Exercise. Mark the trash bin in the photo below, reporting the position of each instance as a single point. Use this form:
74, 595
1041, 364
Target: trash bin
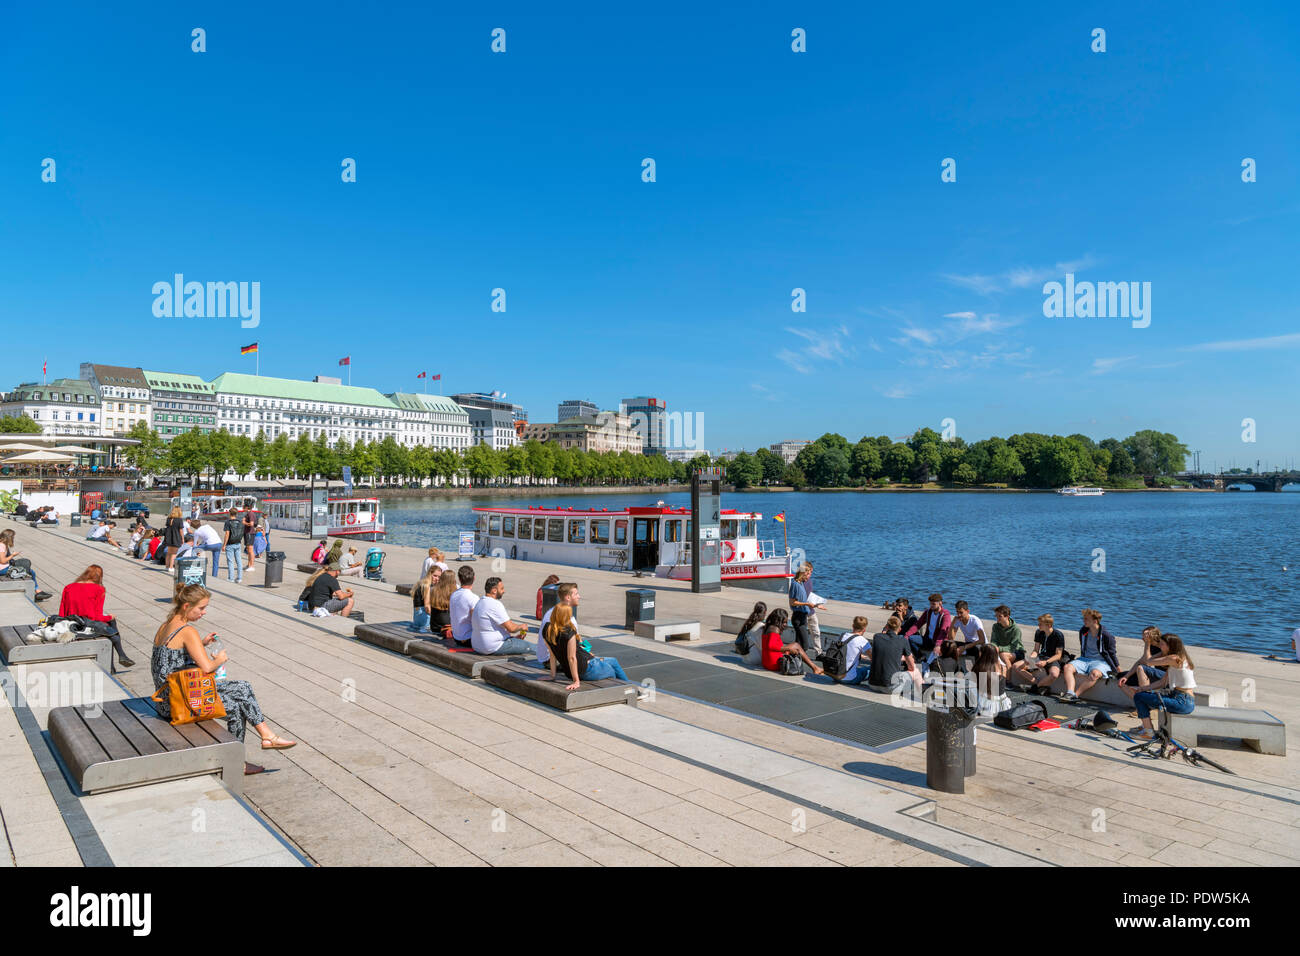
274, 561
192, 570
640, 606
550, 594
950, 734
74, 521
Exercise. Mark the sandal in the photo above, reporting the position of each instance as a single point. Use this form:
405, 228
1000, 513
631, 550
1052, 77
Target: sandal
277, 743
252, 768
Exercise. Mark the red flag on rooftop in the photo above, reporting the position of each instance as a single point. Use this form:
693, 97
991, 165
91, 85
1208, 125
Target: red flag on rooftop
421, 375
346, 361
438, 377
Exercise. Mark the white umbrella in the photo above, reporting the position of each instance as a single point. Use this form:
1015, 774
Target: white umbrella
40, 456
78, 450
19, 446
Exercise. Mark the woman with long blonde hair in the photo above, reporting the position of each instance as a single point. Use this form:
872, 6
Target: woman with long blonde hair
422, 599
561, 637
175, 535
1174, 692
177, 645
440, 604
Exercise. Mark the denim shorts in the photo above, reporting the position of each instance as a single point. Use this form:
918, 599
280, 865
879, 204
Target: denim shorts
1084, 666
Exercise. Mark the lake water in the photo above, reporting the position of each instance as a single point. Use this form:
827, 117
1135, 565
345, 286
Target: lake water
1207, 566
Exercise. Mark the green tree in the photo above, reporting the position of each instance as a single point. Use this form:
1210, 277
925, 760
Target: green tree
241, 454
219, 449
954, 456
1121, 465
772, 465
964, 474
794, 476
149, 456
280, 457
1005, 465
898, 462
187, 454
514, 462
744, 471
1060, 463
262, 455
481, 463
18, 425
1156, 453
866, 460
833, 467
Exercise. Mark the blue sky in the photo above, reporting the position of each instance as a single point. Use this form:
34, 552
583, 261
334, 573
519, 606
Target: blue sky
775, 171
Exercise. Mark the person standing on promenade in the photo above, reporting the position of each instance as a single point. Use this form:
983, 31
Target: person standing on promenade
250, 529
815, 603
1097, 659
233, 540
175, 536
799, 609
1049, 655
565, 594
177, 645
931, 628
1172, 692
461, 606
775, 650
491, 630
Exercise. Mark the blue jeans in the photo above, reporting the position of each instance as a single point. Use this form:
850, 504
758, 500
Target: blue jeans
216, 556
235, 561
1176, 703
513, 645
419, 620
599, 668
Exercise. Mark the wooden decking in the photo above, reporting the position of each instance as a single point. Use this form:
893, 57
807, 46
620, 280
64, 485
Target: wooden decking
403, 764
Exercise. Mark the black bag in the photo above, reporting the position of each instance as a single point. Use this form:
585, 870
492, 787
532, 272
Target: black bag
742, 644
834, 659
1021, 715
791, 665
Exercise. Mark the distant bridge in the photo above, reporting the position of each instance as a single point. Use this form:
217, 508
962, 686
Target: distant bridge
1268, 481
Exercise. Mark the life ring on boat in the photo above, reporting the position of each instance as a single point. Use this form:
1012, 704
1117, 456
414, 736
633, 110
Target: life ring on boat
728, 552
352, 519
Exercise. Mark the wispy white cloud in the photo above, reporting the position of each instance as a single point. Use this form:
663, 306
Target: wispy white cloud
897, 391
960, 315
1018, 277
1246, 345
822, 346
1103, 365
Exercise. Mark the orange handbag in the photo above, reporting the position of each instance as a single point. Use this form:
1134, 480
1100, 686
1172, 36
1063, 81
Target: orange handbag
193, 696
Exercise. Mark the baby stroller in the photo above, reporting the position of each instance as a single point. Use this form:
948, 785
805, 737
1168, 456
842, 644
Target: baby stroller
374, 569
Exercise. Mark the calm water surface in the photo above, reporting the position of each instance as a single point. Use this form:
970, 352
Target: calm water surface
1206, 566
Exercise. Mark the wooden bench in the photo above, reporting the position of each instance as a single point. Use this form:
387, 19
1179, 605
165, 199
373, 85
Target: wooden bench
308, 567
16, 650
124, 743
667, 630
1257, 729
534, 682
396, 636
404, 589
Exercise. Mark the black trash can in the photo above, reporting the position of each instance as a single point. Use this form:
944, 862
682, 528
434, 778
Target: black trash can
950, 734
550, 594
74, 521
192, 570
640, 606
274, 561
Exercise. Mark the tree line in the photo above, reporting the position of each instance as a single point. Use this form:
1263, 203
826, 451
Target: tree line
194, 454
1030, 460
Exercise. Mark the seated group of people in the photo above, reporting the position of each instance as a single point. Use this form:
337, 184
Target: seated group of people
349, 561
913, 648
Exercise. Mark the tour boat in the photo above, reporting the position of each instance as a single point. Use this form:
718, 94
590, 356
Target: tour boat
1074, 491
212, 505
348, 517
632, 539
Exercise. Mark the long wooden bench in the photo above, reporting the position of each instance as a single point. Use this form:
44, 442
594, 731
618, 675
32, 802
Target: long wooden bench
404, 589
667, 630
1257, 729
124, 743
534, 683
308, 567
396, 636
16, 650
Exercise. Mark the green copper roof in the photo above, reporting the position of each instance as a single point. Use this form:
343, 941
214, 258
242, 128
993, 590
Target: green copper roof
264, 385
177, 382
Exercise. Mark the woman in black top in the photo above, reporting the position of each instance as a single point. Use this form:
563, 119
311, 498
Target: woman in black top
990, 675
440, 604
175, 535
568, 654
422, 600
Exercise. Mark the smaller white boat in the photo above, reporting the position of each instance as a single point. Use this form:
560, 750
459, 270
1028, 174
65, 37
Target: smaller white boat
348, 517
1076, 491
212, 505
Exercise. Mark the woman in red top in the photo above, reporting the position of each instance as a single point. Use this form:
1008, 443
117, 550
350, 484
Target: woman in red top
775, 648
84, 597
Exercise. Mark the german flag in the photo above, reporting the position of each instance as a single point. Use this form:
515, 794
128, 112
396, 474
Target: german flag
248, 349
780, 517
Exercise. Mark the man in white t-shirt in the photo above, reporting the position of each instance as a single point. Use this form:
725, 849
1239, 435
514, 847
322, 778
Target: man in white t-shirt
461, 605
349, 563
967, 630
207, 539
564, 594
492, 631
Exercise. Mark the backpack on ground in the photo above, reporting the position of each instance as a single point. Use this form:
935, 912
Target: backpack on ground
742, 643
790, 665
835, 659
1021, 715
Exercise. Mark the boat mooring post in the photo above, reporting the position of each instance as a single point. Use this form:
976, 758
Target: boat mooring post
706, 529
